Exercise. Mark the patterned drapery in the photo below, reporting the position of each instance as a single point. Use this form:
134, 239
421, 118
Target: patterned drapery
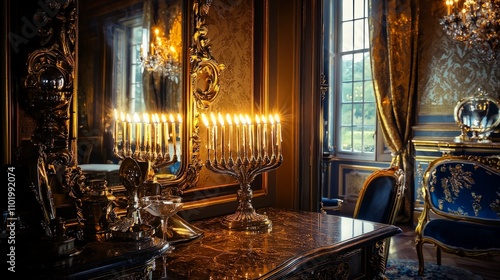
394, 37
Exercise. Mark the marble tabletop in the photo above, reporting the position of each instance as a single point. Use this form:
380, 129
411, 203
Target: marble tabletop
295, 236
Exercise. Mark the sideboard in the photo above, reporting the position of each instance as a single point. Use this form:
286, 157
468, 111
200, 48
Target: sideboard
300, 245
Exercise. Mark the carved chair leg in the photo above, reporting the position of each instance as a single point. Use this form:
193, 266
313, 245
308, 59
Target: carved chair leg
438, 255
420, 254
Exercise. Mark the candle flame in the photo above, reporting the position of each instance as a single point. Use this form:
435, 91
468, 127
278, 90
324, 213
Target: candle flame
257, 119
248, 119
116, 114
264, 120
236, 120
145, 117
137, 118
163, 118
221, 119
122, 115
271, 119
205, 120
128, 118
228, 119
277, 118
172, 118
242, 119
179, 118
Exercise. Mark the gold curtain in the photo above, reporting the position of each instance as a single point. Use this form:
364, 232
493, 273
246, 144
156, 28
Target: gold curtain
393, 35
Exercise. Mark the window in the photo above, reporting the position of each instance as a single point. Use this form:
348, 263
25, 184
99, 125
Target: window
350, 109
127, 71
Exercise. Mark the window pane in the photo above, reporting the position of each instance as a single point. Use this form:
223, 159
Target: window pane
359, 8
347, 31
347, 8
346, 92
346, 139
347, 68
369, 114
359, 34
369, 95
358, 67
369, 140
357, 144
367, 67
358, 91
358, 115
367, 35
346, 118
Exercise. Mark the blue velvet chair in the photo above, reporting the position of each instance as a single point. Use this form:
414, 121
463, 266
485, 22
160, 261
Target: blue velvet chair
381, 196
380, 199
463, 193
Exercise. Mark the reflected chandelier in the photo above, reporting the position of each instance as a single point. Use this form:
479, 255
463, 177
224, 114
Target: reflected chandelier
162, 56
476, 23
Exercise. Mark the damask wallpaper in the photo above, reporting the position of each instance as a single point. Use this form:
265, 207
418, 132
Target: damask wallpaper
448, 70
230, 30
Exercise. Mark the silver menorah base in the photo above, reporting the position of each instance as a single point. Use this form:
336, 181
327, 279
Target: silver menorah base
245, 218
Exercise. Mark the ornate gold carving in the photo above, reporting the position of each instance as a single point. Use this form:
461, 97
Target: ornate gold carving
205, 69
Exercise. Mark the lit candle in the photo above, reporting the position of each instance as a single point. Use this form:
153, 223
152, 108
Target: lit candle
174, 136
243, 135
237, 136
250, 140
147, 132
258, 143
205, 121
157, 137
179, 118
279, 138
214, 123
264, 135
138, 133
129, 131
228, 119
222, 134
165, 134
271, 120
116, 130
124, 135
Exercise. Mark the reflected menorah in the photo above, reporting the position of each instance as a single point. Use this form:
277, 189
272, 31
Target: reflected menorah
152, 140
143, 146
249, 156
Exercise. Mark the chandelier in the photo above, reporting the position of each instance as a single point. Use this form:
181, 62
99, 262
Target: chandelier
162, 55
476, 23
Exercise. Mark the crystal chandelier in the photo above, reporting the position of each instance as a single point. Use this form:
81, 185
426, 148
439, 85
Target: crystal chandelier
162, 56
476, 23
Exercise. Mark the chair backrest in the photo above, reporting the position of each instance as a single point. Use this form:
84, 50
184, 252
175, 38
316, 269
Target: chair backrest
464, 188
381, 195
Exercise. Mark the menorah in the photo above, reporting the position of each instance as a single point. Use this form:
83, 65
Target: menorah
147, 139
143, 146
253, 149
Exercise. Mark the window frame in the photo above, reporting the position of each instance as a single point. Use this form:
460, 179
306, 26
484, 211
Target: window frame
332, 102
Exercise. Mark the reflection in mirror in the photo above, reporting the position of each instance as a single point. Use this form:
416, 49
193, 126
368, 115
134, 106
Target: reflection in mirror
131, 83
477, 116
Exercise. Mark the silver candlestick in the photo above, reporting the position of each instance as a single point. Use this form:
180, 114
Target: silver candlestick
253, 156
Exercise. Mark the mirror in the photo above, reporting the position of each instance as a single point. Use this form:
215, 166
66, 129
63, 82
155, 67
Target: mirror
477, 117
132, 63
